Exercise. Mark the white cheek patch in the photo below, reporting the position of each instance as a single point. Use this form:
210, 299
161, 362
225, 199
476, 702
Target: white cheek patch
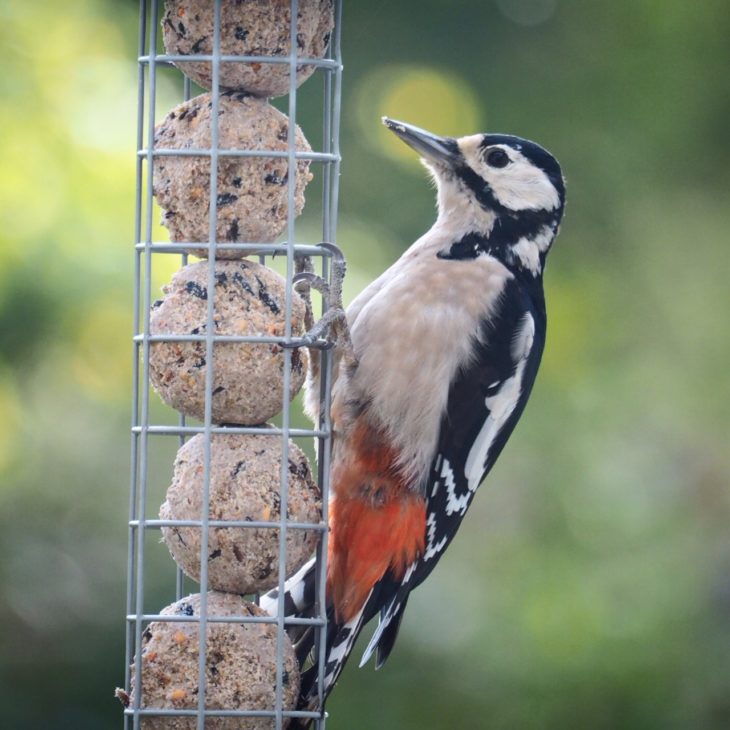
518, 186
522, 186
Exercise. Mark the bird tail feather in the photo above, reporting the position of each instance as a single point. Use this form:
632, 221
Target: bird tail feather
299, 601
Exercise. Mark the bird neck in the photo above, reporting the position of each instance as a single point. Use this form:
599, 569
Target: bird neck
519, 240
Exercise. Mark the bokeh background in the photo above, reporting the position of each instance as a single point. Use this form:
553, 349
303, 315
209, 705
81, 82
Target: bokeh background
590, 583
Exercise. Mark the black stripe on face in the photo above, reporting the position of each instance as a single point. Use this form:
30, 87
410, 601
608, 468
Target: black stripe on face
482, 192
510, 225
532, 219
506, 232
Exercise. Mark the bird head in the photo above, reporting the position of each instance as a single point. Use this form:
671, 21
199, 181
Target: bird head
507, 191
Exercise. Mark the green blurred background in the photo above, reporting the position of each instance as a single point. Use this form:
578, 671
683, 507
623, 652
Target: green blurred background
590, 583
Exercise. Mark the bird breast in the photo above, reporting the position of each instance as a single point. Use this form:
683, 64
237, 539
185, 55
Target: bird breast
411, 337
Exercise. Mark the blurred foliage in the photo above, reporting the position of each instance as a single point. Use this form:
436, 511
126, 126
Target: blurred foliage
590, 584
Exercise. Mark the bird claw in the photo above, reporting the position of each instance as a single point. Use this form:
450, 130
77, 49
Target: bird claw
309, 339
332, 327
309, 280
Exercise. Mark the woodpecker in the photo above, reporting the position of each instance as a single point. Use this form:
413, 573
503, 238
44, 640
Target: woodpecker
434, 363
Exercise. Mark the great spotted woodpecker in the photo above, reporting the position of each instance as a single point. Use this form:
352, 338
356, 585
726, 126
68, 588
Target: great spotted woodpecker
435, 362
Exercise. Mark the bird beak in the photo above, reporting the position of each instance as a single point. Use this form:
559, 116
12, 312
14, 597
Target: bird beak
435, 149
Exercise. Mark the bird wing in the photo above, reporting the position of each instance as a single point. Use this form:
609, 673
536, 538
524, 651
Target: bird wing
485, 402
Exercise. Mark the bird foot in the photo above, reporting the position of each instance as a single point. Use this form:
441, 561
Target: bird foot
332, 326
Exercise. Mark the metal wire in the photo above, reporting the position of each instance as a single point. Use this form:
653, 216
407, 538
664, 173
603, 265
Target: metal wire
144, 432
179, 574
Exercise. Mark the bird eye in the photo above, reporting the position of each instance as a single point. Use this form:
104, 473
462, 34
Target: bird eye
497, 158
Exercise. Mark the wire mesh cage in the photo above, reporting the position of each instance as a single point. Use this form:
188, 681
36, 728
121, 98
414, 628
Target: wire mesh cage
147, 434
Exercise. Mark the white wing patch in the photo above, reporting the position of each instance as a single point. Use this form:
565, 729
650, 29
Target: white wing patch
500, 405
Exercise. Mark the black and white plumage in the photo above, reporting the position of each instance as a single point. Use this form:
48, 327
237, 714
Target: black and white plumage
446, 346
484, 404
